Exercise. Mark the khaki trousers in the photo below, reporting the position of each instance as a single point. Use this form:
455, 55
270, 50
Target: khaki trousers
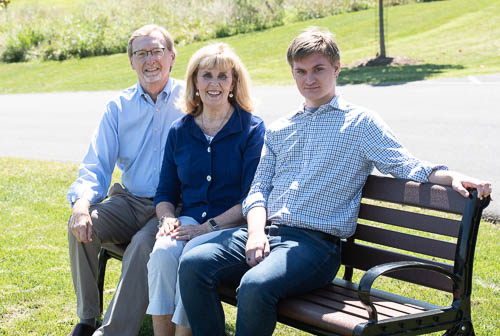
121, 218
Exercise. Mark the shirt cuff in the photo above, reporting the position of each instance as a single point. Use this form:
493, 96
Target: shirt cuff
252, 201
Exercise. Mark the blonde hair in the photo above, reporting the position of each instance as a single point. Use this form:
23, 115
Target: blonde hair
146, 31
221, 56
313, 40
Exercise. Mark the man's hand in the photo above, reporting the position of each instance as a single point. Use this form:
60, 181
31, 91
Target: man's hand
188, 232
80, 222
460, 182
169, 224
257, 248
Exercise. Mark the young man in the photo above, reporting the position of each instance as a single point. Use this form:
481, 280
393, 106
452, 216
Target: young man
304, 198
132, 135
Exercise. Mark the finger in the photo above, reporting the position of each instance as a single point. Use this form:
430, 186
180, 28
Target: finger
267, 249
251, 260
484, 189
176, 223
259, 254
457, 186
89, 232
81, 234
182, 237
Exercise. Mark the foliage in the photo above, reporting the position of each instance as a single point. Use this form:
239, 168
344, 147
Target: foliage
4, 4
58, 30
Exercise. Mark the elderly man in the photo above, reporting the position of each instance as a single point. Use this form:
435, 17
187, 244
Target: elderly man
132, 135
304, 198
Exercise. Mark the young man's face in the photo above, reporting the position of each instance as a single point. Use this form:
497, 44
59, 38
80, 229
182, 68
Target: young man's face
315, 78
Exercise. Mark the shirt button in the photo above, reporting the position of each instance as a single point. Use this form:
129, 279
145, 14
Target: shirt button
209, 178
154, 169
209, 150
157, 109
156, 149
204, 215
156, 129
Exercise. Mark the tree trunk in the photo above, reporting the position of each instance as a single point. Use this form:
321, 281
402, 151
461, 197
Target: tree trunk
381, 27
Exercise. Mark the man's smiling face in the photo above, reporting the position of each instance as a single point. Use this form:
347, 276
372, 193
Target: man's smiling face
153, 71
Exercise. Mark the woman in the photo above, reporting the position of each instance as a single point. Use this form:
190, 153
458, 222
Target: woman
210, 159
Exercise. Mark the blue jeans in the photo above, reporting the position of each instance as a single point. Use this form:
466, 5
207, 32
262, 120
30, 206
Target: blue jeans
300, 261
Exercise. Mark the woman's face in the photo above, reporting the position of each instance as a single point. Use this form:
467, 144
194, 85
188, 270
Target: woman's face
214, 85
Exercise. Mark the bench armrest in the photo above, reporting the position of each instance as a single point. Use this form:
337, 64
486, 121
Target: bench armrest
373, 273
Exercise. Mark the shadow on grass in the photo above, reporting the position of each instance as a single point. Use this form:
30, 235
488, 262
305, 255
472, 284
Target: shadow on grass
147, 327
392, 75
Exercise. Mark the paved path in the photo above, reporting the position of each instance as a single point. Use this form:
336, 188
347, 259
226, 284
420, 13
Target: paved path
454, 121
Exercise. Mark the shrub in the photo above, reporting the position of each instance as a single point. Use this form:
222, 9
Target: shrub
101, 27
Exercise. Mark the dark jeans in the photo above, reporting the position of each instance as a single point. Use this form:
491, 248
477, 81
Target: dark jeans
300, 261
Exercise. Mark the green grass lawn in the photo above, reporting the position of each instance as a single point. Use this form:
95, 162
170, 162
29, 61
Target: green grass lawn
36, 292
449, 38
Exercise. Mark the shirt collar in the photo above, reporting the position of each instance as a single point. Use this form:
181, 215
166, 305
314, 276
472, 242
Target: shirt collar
164, 93
336, 103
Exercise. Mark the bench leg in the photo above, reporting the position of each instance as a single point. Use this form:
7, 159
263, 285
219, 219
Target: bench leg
101, 272
463, 329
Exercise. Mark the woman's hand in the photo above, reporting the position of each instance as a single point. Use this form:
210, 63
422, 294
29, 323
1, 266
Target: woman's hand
169, 224
188, 232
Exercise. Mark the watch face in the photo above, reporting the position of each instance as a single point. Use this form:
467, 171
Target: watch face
213, 223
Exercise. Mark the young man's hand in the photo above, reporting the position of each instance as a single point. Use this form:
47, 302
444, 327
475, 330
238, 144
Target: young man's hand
257, 248
80, 222
460, 182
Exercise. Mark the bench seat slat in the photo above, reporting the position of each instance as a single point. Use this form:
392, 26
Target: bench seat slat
429, 196
412, 220
331, 291
406, 242
384, 308
365, 257
339, 322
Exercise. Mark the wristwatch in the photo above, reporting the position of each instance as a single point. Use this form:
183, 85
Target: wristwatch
213, 224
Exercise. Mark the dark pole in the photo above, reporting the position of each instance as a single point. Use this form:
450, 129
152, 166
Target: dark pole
381, 27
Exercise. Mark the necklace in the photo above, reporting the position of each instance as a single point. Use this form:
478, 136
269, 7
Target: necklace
214, 131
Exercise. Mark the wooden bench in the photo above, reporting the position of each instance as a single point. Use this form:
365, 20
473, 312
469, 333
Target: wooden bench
394, 240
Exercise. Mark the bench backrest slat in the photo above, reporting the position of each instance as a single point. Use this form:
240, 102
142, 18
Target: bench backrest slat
429, 196
406, 242
412, 220
364, 257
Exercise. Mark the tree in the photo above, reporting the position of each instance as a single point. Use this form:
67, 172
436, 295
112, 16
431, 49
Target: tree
381, 28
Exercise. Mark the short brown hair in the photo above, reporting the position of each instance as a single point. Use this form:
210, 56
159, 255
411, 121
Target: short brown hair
219, 55
313, 40
146, 31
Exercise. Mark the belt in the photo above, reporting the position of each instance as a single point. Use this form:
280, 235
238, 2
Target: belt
320, 234
326, 236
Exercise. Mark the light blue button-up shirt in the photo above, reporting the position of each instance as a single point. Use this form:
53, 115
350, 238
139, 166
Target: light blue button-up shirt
131, 135
315, 163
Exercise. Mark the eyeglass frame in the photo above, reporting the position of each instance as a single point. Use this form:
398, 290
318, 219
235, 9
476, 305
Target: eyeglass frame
134, 53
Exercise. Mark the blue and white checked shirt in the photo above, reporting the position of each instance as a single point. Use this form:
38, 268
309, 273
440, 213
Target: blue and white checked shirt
131, 134
314, 165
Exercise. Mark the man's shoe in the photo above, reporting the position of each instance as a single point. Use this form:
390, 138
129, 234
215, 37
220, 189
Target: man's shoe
82, 330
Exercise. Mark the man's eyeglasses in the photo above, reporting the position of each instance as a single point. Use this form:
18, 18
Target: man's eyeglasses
156, 52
